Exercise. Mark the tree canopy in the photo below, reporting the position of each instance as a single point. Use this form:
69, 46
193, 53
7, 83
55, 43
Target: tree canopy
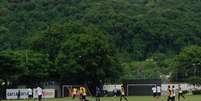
102, 38
188, 64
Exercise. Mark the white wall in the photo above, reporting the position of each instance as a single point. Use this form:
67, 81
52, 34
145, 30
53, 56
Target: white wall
110, 88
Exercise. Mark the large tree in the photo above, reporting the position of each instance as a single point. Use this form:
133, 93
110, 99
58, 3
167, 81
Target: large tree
87, 57
188, 64
24, 66
37, 66
11, 67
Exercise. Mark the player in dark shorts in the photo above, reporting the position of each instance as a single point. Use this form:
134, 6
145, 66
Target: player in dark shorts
158, 92
170, 93
174, 93
98, 93
180, 94
39, 93
115, 91
30, 94
83, 94
123, 94
18, 94
154, 91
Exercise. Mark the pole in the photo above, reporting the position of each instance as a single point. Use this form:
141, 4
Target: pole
194, 66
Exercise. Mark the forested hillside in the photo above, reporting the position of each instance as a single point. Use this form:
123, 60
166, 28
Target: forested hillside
99, 39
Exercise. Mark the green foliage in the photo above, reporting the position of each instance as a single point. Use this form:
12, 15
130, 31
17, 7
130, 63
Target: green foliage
37, 66
86, 57
24, 65
194, 80
58, 30
138, 28
142, 70
10, 63
49, 42
188, 64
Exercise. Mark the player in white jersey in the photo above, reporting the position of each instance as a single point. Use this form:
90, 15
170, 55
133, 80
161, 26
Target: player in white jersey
40, 93
158, 92
154, 91
174, 92
115, 91
30, 93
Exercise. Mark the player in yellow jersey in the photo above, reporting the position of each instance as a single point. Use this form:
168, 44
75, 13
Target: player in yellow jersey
180, 94
83, 94
170, 93
74, 92
123, 94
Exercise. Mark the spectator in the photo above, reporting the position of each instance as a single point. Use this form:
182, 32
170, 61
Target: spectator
18, 94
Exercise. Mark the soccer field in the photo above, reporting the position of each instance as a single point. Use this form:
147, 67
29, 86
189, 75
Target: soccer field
133, 98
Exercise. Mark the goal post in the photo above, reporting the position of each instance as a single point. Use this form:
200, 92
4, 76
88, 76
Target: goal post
139, 89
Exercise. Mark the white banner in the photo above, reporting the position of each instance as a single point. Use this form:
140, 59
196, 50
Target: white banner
13, 93
184, 86
110, 88
47, 93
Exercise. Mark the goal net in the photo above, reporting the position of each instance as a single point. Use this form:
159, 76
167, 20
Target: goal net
139, 89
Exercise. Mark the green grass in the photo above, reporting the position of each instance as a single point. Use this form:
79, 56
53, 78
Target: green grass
133, 98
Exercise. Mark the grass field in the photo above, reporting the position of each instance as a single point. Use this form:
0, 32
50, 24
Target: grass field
133, 98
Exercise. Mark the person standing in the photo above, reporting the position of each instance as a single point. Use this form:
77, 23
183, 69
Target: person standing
98, 93
83, 94
30, 93
154, 91
39, 93
74, 92
18, 94
180, 94
158, 92
123, 94
170, 94
115, 91
174, 93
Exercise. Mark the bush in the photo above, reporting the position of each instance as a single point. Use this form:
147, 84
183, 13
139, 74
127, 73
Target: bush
196, 92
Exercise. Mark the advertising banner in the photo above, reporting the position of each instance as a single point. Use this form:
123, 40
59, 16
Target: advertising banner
47, 93
13, 93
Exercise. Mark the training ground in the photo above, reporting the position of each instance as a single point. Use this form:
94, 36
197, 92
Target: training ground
130, 98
